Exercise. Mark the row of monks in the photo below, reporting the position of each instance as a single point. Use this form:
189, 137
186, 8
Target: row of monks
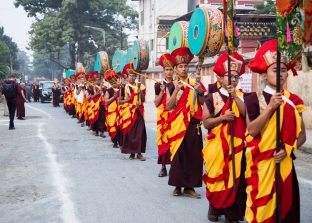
246, 190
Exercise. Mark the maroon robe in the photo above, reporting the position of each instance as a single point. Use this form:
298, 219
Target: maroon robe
20, 106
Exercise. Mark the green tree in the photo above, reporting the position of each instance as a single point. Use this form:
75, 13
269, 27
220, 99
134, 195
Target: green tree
4, 60
25, 66
267, 7
62, 23
13, 49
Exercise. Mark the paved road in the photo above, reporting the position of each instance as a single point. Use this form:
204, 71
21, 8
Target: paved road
53, 170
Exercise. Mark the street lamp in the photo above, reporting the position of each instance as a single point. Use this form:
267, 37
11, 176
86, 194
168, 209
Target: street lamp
98, 29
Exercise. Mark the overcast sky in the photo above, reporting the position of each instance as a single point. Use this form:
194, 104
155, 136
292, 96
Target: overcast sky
15, 22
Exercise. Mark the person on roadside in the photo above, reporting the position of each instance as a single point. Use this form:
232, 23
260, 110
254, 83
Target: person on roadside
10, 90
56, 94
20, 102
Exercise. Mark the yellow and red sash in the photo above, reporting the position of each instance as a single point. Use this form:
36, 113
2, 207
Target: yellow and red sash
162, 117
93, 109
217, 155
260, 164
111, 120
128, 110
179, 118
87, 105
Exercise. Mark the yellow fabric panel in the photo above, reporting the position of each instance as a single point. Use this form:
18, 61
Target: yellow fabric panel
249, 161
161, 114
111, 119
266, 174
177, 126
238, 158
266, 211
126, 112
300, 108
135, 90
214, 159
193, 107
213, 155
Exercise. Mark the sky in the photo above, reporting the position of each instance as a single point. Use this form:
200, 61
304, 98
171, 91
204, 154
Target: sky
16, 23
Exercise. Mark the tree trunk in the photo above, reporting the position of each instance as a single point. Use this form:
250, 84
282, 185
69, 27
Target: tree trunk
72, 56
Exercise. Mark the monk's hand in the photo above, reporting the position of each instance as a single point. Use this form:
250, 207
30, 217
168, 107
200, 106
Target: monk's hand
228, 116
198, 89
278, 157
178, 85
231, 91
275, 101
162, 88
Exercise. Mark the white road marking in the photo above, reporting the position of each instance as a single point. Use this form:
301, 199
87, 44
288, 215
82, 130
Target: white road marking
59, 180
303, 180
39, 110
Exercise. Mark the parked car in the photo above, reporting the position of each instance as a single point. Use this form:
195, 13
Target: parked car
45, 90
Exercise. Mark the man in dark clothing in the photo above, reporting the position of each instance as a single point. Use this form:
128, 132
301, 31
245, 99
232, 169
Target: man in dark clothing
10, 91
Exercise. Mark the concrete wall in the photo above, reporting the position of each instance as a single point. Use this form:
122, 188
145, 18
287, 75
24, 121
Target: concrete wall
302, 86
152, 9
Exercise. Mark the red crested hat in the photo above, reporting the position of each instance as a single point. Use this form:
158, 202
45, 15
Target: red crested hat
166, 60
182, 55
94, 74
266, 56
80, 75
88, 77
66, 80
237, 64
111, 76
127, 70
72, 77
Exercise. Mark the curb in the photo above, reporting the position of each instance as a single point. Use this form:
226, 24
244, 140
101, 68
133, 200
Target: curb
306, 148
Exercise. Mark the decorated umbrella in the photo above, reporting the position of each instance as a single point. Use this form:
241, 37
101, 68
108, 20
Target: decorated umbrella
289, 35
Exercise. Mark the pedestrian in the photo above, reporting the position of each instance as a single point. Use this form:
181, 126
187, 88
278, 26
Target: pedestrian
111, 111
167, 62
223, 198
36, 92
28, 90
56, 94
185, 136
134, 134
20, 102
10, 90
261, 155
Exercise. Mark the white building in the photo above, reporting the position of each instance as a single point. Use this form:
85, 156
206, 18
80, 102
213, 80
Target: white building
151, 13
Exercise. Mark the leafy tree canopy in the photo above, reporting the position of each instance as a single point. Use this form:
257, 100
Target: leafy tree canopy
61, 23
267, 7
4, 60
